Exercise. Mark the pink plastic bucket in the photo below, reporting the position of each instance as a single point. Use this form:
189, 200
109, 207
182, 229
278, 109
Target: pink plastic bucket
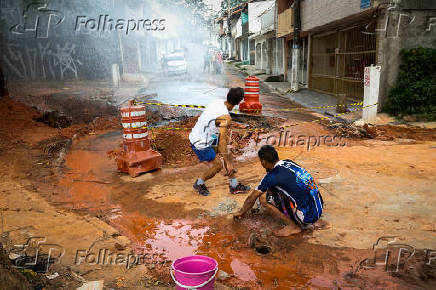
194, 272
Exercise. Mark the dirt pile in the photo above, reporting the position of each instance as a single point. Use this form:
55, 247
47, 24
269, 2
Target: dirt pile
176, 149
174, 145
384, 133
75, 107
349, 131
97, 125
18, 119
419, 134
23, 123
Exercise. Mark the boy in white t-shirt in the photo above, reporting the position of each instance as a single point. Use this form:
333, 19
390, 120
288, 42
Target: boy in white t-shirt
212, 124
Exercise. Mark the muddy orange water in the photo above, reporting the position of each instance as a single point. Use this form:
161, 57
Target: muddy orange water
93, 185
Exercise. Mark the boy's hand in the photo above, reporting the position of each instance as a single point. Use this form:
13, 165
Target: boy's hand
230, 172
238, 215
228, 165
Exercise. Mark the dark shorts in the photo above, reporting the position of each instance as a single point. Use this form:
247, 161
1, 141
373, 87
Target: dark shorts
286, 205
208, 154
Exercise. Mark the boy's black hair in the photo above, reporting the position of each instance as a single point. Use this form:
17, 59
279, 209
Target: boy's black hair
235, 96
268, 153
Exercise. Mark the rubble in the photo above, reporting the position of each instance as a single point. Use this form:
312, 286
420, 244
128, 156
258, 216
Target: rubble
222, 276
55, 120
349, 131
94, 285
227, 206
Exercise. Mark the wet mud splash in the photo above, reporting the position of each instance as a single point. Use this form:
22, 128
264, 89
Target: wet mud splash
166, 231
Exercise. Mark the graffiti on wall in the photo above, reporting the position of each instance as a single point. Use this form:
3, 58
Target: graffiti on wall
34, 18
395, 20
46, 61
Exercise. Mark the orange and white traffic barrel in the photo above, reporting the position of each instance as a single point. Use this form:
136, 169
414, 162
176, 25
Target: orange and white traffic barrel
135, 133
251, 102
137, 156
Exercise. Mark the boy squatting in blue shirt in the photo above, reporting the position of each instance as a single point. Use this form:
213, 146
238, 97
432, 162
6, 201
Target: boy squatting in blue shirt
291, 193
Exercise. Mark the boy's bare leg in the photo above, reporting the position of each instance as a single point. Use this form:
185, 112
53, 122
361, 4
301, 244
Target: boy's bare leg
290, 229
213, 170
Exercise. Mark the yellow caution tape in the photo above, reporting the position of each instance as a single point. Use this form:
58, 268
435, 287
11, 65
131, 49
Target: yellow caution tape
263, 129
171, 105
254, 110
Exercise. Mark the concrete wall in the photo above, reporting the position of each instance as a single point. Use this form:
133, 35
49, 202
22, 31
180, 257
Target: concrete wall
42, 44
261, 44
278, 65
254, 11
405, 29
315, 13
45, 40
268, 20
238, 28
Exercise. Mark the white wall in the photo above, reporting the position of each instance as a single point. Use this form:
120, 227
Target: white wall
262, 59
278, 67
254, 11
238, 28
316, 13
268, 20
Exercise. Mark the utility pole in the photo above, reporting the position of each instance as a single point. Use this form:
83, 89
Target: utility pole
296, 46
229, 34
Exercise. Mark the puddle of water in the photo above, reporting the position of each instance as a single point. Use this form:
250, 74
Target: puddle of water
89, 179
173, 240
242, 271
176, 240
192, 93
94, 184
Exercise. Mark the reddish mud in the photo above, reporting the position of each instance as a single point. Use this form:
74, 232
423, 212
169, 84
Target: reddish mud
92, 185
18, 123
78, 108
166, 232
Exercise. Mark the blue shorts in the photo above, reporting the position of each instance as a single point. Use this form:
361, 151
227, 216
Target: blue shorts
207, 154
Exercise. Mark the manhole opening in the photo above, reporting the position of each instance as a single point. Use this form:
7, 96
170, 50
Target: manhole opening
263, 250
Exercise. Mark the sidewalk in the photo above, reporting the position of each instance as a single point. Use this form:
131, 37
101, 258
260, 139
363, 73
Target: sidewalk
305, 97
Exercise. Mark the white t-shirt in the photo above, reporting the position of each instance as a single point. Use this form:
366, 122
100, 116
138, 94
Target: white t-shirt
205, 131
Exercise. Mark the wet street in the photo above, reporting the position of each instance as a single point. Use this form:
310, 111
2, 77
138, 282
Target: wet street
163, 217
159, 215
101, 188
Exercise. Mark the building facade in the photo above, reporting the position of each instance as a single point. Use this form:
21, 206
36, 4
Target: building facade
337, 40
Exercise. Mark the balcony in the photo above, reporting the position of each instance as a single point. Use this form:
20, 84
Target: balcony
285, 22
267, 21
